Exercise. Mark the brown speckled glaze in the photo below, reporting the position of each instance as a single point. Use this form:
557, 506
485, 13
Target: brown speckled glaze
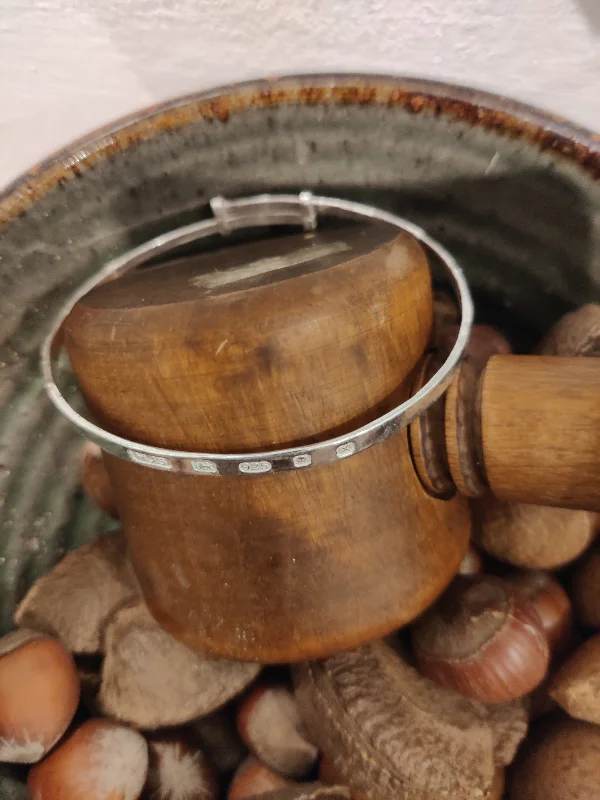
510, 190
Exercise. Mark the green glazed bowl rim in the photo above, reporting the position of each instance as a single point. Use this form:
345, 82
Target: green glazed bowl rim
494, 112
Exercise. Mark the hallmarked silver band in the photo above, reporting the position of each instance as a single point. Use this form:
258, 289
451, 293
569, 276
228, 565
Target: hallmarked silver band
257, 211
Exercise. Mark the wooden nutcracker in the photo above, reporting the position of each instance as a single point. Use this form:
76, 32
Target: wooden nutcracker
255, 403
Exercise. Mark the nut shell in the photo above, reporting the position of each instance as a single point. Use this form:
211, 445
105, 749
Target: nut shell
482, 639
576, 685
576, 333
530, 536
178, 770
552, 604
253, 778
389, 733
150, 680
101, 760
39, 693
271, 726
76, 600
561, 763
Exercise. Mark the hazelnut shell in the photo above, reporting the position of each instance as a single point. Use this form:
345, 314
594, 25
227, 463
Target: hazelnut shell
482, 639
575, 334
178, 769
560, 762
530, 536
39, 694
253, 778
576, 685
552, 604
101, 760
271, 726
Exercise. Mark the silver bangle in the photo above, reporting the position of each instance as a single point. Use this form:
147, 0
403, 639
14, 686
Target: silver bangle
262, 210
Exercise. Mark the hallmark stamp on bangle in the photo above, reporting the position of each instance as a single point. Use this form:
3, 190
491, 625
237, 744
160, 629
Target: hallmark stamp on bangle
204, 467
255, 467
345, 450
303, 460
157, 462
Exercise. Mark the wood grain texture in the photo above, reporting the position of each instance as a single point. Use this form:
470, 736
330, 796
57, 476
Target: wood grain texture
463, 432
540, 423
208, 354
427, 440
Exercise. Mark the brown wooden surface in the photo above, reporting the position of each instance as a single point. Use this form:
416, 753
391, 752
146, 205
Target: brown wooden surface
426, 436
540, 423
213, 354
463, 434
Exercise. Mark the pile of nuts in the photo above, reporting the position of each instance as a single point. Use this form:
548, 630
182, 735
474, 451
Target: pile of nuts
494, 692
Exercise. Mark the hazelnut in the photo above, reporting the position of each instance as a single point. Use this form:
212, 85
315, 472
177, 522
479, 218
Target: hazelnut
178, 770
150, 680
253, 778
390, 733
585, 589
575, 334
95, 480
39, 693
530, 536
76, 600
551, 603
101, 760
482, 639
576, 685
270, 724
560, 763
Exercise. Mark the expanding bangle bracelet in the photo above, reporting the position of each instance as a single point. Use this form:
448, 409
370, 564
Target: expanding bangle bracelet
259, 211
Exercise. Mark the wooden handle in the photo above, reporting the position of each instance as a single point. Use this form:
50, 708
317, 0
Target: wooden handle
527, 429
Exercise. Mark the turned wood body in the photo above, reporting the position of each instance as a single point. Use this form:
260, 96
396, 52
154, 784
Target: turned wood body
255, 346
526, 429
540, 430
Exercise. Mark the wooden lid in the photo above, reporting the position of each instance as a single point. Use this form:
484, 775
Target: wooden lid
257, 344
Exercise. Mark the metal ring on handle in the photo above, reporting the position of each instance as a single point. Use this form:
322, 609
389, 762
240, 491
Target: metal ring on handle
265, 210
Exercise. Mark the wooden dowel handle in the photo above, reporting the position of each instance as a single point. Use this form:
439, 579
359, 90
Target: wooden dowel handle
532, 432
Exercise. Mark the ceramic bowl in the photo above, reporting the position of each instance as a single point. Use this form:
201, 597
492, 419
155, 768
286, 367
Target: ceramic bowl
513, 192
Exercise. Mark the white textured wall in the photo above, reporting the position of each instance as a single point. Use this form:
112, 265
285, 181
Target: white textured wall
67, 66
